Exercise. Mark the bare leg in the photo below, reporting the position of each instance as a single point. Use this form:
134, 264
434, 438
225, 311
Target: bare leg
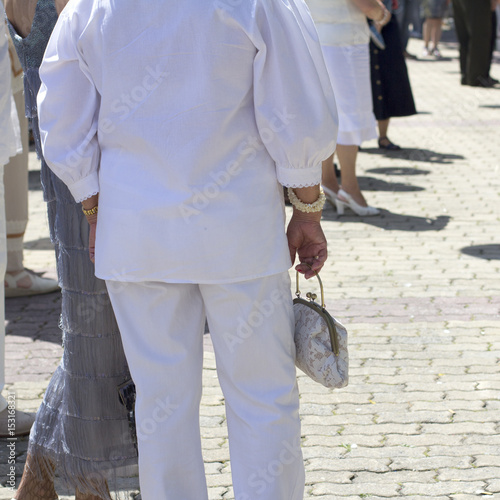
329, 179
86, 496
383, 127
435, 29
426, 33
37, 485
347, 158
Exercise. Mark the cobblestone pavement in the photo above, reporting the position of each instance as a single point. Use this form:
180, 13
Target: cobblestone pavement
419, 289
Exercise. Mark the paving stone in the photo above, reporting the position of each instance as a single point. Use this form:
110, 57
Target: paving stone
349, 464
441, 488
493, 485
436, 463
362, 490
475, 474
396, 478
424, 439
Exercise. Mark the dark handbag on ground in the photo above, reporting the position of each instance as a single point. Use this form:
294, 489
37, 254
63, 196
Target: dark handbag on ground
126, 392
320, 341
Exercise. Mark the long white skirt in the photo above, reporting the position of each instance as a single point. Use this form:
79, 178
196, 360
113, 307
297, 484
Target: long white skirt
349, 70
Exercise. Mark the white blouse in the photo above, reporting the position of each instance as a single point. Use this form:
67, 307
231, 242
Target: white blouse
10, 135
339, 22
184, 116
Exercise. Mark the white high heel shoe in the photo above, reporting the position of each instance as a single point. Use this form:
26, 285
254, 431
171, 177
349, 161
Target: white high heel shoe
330, 195
344, 199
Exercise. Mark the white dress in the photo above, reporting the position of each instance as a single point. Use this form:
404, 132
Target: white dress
344, 36
10, 134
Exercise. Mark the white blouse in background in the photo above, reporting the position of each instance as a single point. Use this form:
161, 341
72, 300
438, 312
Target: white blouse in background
339, 22
184, 115
10, 134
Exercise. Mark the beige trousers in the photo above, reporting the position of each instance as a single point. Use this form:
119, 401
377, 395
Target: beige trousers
16, 194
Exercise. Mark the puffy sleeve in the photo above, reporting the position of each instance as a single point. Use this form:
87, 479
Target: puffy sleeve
294, 103
68, 108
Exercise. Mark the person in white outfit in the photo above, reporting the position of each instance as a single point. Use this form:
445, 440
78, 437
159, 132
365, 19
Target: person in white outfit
19, 281
179, 166
344, 36
12, 422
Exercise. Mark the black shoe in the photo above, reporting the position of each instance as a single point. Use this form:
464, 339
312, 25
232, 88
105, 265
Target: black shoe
386, 143
486, 83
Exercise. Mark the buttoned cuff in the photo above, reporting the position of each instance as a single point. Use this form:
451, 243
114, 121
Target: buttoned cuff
299, 177
85, 188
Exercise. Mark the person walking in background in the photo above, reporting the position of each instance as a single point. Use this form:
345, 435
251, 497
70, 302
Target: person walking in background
10, 145
473, 26
407, 12
391, 89
189, 216
433, 11
81, 430
19, 281
495, 7
344, 37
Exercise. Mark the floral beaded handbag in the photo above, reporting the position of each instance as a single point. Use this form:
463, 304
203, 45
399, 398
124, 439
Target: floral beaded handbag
320, 341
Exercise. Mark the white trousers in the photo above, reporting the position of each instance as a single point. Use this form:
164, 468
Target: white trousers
251, 325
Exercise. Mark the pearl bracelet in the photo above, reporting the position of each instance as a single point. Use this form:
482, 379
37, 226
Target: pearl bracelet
385, 17
308, 208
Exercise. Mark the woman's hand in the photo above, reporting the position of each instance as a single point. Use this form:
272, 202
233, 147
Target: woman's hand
89, 204
93, 226
374, 10
307, 240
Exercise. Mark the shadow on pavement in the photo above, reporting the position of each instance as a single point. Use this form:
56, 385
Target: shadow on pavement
392, 221
34, 183
430, 59
40, 244
35, 317
487, 252
424, 155
398, 171
372, 184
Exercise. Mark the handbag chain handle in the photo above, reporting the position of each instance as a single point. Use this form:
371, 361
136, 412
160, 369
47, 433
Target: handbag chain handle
309, 295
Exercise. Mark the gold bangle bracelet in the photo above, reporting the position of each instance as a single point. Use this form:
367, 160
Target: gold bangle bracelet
90, 211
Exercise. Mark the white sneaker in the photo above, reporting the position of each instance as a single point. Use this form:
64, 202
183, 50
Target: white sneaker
436, 53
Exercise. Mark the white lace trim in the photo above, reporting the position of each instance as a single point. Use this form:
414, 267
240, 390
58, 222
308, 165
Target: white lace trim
299, 184
299, 177
87, 196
